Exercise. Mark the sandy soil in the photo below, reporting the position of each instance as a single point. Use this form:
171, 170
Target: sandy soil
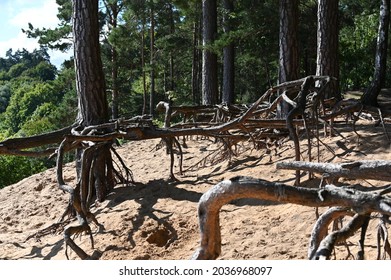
157, 219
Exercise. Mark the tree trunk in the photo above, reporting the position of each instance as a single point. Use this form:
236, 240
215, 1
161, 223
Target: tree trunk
91, 88
171, 84
114, 77
113, 9
327, 49
144, 110
371, 94
195, 71
90, 79
289, 57
209, 58
152, 63
228, 57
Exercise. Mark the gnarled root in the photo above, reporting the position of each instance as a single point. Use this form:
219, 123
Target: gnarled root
382, 235
327, 245
239, 187
95, 180
321, 226
75, 230
78, 230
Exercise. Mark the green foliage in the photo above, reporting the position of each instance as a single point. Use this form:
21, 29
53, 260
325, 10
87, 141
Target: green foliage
34, 98
357, 47
59, 37
25, 101
15, 168
5, 95
43, 71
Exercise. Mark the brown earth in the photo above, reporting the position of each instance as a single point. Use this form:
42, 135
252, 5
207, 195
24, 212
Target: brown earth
157, 219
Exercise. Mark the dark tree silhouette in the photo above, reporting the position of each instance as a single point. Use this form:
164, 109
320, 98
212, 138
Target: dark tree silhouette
209, 58
379, 76
288, 58
228, 57
327, 59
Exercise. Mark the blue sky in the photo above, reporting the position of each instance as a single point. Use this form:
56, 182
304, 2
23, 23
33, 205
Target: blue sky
16, 14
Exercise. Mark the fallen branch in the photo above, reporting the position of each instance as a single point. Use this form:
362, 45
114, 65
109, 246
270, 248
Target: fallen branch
224, 192
319, 231
16, 146
327, 245
364, 169
298, 109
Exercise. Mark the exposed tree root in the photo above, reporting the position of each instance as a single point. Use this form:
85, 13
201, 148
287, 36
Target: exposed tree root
364, 169
326, 247
97, 174
360, 202
360, 254
382, 236
96, 178
320, 229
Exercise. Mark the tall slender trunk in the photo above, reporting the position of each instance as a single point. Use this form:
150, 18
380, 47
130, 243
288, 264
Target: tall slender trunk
379, 76
228, 57
327, 45
144, 110
152, 63
90, 79
114, 61
114, 77
195, 71
209, 58
171, 86
288, 57
91, 89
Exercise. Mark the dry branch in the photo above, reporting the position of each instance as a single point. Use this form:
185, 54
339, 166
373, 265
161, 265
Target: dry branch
327, 245
319, 231
298, 109
16, 146
364, 169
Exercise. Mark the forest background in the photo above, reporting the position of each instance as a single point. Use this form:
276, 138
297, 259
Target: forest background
154, 49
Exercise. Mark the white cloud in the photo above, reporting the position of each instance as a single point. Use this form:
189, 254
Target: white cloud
18, 42
23, 12
44, 16
58, 57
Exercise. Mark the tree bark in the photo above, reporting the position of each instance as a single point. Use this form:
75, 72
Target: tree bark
113, 10
195, 71
228, 57
171, 82
289, 57
144, 110
91, 88
90, 79
379, 76
209, 58
327, 47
